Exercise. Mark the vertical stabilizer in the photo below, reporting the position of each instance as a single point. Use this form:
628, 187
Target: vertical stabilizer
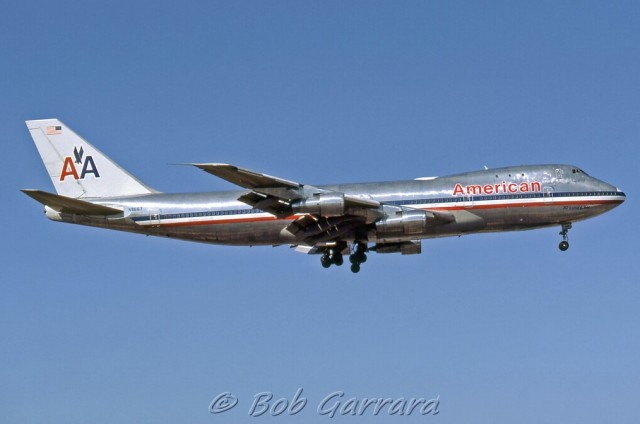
77, 169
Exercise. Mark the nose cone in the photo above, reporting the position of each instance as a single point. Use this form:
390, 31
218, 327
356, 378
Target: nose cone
615, 195
621, 196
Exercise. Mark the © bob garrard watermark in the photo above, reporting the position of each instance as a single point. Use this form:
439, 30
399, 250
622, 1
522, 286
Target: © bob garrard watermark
336, 403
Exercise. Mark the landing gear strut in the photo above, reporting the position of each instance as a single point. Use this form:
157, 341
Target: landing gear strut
564, 244
336, 257
358, 256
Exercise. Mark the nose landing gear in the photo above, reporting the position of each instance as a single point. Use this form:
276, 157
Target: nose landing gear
564, 244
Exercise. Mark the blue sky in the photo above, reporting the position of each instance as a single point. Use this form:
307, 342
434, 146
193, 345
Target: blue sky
104, 327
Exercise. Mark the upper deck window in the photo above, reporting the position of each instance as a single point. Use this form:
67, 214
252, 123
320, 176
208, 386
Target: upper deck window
579, 171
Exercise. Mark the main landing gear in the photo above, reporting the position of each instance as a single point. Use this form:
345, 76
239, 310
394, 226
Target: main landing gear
564, 244
333, 256
358, 256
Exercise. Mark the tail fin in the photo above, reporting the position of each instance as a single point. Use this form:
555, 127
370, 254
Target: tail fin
77, 169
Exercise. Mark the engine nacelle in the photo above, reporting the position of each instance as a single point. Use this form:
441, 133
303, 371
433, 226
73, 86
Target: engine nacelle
402, 223
323, 204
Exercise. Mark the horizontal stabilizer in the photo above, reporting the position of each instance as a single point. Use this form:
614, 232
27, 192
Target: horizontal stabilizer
69, 205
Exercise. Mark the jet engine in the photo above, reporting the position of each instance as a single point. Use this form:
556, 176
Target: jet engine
323, 204
402, 223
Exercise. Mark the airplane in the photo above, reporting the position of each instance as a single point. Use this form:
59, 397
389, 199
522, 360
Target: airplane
330, 220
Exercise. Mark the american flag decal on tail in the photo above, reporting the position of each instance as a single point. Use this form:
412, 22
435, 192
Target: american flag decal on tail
56, 129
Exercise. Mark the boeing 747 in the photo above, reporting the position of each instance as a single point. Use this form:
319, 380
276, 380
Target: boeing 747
330, 220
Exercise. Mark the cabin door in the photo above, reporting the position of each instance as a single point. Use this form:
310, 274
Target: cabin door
468, 201
154, 218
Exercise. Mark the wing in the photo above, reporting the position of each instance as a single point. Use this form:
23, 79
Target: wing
323, 216
276, 195
246, 178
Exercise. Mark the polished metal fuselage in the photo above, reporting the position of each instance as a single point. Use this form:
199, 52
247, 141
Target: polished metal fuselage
505, 199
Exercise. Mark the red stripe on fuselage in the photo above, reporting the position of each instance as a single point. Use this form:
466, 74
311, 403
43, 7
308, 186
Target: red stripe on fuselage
226, 221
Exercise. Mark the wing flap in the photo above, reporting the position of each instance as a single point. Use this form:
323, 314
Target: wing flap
269, 204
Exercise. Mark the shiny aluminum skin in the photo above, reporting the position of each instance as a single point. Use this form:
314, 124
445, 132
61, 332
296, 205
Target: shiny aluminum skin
160, 214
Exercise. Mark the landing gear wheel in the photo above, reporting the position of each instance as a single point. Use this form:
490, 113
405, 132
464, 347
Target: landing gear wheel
325, 261
358, 256
564, 244
338, 259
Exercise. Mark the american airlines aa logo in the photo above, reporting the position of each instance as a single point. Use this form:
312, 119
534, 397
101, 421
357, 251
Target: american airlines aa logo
70, 166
